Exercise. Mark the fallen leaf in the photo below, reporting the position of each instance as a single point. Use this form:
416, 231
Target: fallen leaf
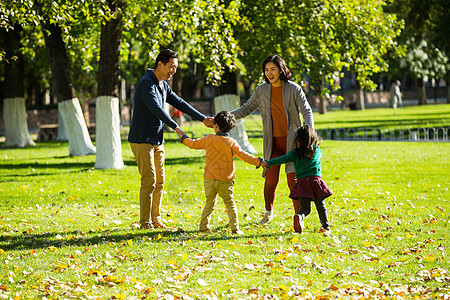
201, 282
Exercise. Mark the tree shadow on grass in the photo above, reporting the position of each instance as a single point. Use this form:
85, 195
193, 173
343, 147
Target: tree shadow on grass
173, 161
25, 242
71, 167
54, 165
84, 166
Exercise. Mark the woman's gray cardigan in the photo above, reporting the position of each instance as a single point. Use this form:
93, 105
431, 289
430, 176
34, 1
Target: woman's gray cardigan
294, 103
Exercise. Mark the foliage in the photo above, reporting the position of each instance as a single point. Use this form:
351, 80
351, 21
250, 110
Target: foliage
320, 39
424, 60
198, 27
69, 230
424, 37
316, 38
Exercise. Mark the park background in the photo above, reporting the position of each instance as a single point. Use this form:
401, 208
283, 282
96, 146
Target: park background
69, 207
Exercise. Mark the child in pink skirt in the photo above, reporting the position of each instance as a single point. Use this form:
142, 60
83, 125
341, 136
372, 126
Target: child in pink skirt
309, 186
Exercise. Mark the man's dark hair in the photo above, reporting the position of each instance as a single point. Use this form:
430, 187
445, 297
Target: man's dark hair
164, 56
285, 74
225, 121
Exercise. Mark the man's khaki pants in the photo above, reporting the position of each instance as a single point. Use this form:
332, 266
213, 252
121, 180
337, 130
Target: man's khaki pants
225, 191
150, 162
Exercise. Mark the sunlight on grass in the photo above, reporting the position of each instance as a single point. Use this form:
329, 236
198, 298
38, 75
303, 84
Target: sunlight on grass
69, 230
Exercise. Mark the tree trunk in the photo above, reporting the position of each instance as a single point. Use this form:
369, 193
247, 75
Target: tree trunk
14, 110
229, 103
447, 84
76, 129
322, 101
108, 141
15, 120
421, 91
109, 146
62, 133
72, 116
247, 89
359, 97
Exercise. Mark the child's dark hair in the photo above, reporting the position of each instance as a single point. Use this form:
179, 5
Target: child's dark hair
225, 121
306, 140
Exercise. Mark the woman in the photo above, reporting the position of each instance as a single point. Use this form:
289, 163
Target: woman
281, 102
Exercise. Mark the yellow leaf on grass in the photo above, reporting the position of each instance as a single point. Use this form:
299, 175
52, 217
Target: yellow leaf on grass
172, 264
184, 256
130, 242
283, 287
187, 216
120, 296
366, 244
428, 258
2, 251
294, 240
281, 256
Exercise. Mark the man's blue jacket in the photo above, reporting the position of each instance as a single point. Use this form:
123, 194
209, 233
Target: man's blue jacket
149, 114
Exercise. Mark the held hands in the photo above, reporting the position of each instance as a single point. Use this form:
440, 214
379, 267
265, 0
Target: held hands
179, 132
209, 122
265, 165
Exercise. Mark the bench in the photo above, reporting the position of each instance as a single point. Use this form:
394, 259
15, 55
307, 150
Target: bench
49, 132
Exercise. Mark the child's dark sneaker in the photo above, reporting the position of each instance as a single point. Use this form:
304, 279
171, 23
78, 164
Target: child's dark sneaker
298, 223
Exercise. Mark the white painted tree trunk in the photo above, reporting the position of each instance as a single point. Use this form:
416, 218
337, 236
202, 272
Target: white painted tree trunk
230, 102
62, 134
107, 133
360, 99
78, 135
16, 128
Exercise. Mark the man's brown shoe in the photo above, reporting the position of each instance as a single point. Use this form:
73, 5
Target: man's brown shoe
159, 224
147, 226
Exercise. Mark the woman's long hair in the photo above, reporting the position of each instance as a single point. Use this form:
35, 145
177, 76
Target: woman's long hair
285, 73
306, 140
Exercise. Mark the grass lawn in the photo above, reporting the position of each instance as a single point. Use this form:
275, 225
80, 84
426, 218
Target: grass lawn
69, 231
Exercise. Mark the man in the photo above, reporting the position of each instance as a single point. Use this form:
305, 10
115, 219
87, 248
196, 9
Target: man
396, 95
146, 132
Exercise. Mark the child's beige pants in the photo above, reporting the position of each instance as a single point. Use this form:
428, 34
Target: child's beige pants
225, 191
